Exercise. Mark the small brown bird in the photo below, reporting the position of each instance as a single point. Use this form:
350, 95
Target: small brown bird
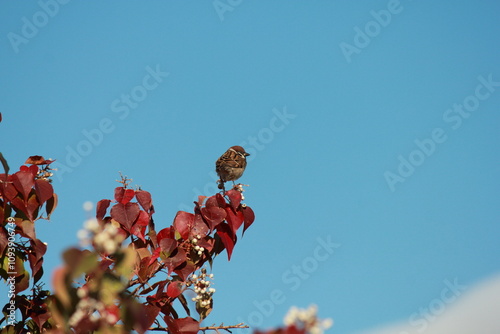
231, 165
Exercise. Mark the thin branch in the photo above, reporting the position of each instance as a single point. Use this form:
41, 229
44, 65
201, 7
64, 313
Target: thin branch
208, 328
221, 326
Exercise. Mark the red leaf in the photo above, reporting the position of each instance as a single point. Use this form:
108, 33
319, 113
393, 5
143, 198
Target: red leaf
36, 258
208, 243
28, 229
249, 217
138, 231
23, 181
9, 190
101, 208
185, 269
32, 207
220, 200
51, 205
234, 219
140, 225
33, 170
154, 256
168, 246
174, 289
142, 219
44, 191
148, 316
183, 325
123, 195
3, 238
227, 237
234, 198
176, 260
119, 191
144, 199
125, 214
183, 223
200, 227
26, 208
214, 215
167, 232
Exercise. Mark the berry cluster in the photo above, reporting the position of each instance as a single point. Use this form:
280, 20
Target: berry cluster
202, 288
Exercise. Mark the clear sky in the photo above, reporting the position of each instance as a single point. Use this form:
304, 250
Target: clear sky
373, 128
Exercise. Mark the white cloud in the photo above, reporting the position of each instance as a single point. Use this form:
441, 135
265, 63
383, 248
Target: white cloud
477, 310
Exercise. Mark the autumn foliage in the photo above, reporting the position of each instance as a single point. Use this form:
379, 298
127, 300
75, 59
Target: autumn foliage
129, 276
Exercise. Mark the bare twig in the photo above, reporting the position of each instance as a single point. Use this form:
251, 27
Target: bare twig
221, 326
208, 328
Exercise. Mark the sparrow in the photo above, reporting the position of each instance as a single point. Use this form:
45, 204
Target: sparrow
231, 165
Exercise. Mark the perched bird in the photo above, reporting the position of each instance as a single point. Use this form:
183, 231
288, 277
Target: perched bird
231, 165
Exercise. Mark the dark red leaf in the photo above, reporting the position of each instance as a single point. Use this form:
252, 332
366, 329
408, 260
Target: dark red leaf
119, 191
21, 207
249, 217
160, 293
168, 245
167, 232
44, 191
214, 215
185, 269
220, 200
234, 219
207, 243
9, 191
101, 208
140, 225
51, 205
23, 181
125, 214
34, 170
143, 269
142, 219
154, 256
123, 195
27, 229
144, 199
200, 227
4, 235
183, 223
234, 198
293, 329
175, 260
174, 289
139, 231
227, 237
213, 202
33, 207
127, 196
35, 258
148, 316
183, 325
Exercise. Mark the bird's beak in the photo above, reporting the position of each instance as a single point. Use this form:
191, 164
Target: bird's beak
246, 154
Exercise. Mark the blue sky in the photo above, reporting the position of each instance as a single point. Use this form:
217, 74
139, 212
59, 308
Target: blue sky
373, 128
